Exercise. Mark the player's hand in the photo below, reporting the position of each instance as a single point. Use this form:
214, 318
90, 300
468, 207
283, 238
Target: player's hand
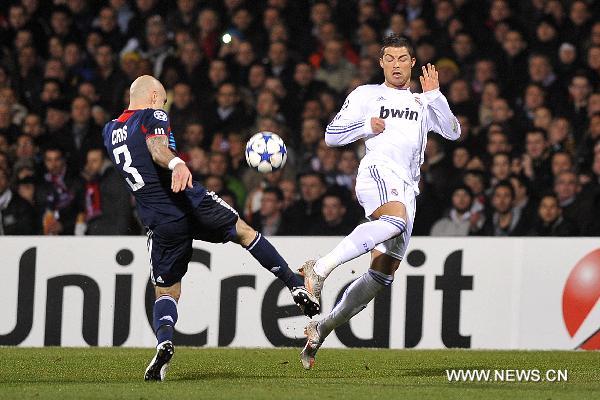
181, 178
377, 125
429, 79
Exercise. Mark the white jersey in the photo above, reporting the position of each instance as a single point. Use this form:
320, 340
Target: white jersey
408, 117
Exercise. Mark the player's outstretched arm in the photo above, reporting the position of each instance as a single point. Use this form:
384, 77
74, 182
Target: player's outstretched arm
440, 118
351, 124
162, 155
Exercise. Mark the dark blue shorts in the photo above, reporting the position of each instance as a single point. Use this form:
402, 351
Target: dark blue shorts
170, 244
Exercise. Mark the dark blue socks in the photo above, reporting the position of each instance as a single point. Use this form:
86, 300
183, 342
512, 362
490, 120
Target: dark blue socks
269, 258
165, 317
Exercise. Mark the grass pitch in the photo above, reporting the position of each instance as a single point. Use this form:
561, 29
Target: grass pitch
198, 373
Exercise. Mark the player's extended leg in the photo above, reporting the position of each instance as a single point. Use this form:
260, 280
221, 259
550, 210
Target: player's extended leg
355, 299
264, 252
388, 221
165, 317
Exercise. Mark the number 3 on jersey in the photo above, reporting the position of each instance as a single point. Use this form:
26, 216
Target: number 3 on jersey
138, 182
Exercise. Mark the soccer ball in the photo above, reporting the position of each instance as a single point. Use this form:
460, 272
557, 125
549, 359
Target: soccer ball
266, 152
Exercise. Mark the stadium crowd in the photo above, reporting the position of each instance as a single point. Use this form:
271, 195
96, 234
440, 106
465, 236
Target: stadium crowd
523, 77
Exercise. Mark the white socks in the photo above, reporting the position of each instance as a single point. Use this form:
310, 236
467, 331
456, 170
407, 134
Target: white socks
355, 299
361, 240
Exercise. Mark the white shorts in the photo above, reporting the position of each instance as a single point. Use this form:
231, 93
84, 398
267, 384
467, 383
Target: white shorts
376, 186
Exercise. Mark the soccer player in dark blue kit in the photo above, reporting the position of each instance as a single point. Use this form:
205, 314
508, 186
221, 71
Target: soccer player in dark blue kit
176, 210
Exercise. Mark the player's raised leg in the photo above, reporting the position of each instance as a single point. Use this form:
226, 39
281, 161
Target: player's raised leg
387, 221
165, 317
355, 299
264, 252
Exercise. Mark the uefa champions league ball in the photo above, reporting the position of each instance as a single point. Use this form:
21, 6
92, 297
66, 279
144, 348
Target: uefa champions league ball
266, 152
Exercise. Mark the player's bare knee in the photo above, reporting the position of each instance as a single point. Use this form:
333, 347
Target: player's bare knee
384, 263
173, 291
245, 234
392, 208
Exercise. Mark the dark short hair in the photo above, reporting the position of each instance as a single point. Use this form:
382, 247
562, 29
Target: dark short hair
507, 185
274, 190
534, 131
396, 41
465, 188
551, 195
53, 147
502, 153
316, 174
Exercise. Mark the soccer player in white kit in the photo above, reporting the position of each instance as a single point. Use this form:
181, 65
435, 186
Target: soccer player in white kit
394, 124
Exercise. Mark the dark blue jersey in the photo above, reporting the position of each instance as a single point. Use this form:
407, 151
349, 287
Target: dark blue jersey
125, 141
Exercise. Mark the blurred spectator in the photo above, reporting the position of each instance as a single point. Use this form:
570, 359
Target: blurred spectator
217, 166
83, 130
347, 169
500, 168
524, 205
108, 208
485, 71
59, 196
278, 62
288, 188
536, 162
585, 150
490, 91
193, 136
333, 220
304, 213
560, 136
215, 184
549, 221
107, 22
267, 220
17, 216
56, 134
254, 197
193, 68
576, 108
459, 221
197, 162
207, 32
109, 80
155, 46
575, 204
335, 70
184, 15
459, 98
25, 149
183, 110
560, 161
514, 62
436, 168
7, 127
237, 154
226, 113
475, 180
502, 219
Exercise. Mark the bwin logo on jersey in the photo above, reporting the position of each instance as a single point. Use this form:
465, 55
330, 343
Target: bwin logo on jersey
395, 113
